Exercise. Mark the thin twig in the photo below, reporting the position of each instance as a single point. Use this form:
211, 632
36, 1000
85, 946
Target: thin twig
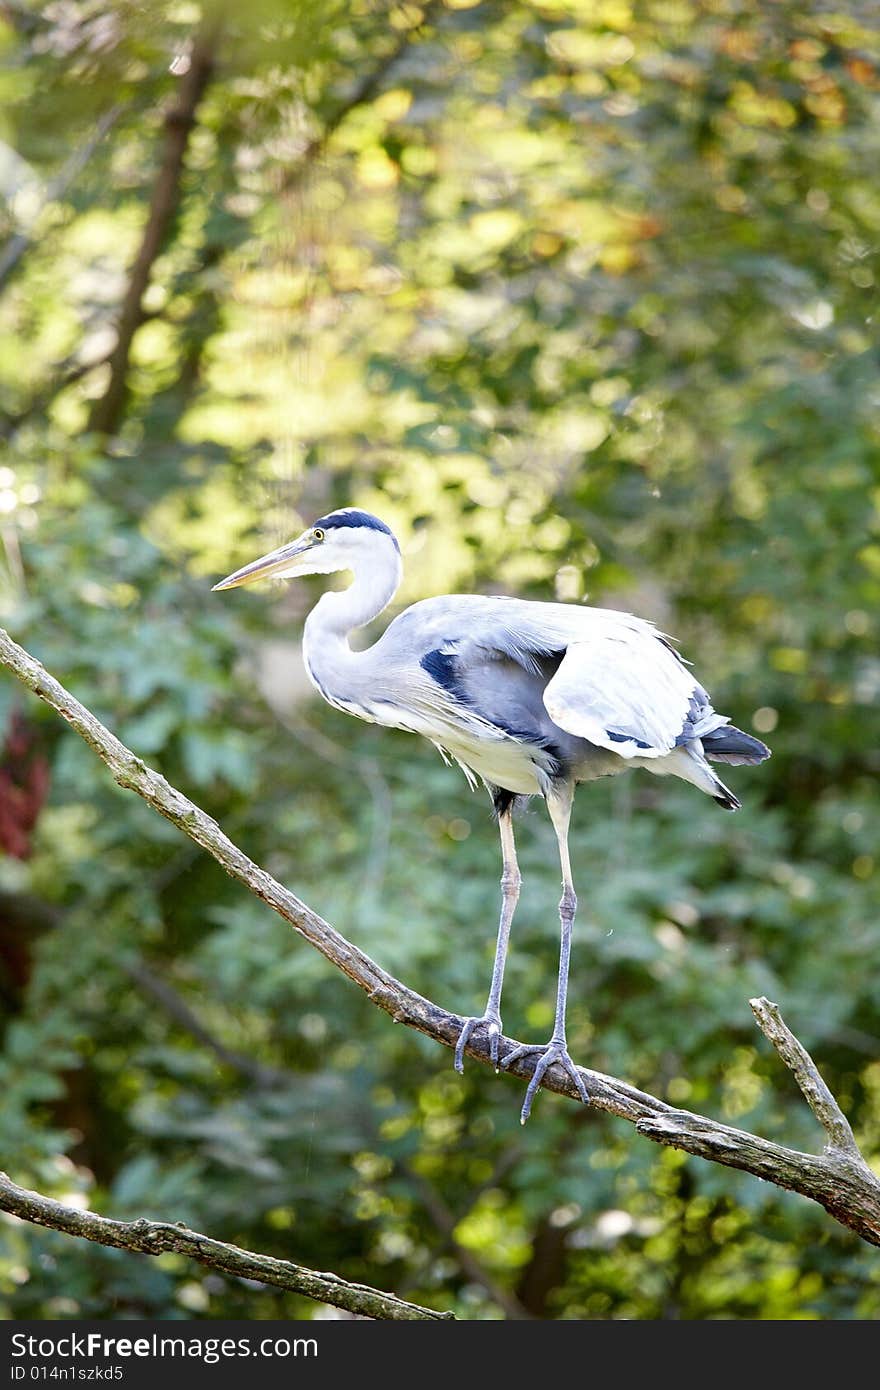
363, 91
846, 1188
16, 246
67, 374
177, 1008
445, 1223
155, 1237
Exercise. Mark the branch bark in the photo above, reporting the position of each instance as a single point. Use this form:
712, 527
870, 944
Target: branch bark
839, 1179
155, 1237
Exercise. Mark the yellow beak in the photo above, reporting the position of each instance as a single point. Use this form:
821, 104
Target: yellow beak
277, 562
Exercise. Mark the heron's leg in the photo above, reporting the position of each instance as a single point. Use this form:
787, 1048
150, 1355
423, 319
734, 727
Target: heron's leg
559, 806
511, 880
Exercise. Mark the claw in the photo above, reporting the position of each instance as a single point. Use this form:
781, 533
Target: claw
493, 1024
547, 1055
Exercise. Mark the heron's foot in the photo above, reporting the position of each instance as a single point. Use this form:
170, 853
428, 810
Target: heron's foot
553, 1051
490, 1021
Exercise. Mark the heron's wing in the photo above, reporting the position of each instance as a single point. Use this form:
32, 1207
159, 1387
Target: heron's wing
627, 690
613, 678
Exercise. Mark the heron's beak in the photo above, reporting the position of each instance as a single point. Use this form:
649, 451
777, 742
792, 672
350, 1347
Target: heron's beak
277, 563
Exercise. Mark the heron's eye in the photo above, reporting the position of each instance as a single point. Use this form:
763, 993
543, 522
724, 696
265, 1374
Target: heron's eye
317, 535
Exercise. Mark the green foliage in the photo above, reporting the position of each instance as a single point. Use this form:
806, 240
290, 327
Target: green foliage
579, 297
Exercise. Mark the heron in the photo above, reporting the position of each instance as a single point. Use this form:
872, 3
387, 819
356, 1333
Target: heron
529, 698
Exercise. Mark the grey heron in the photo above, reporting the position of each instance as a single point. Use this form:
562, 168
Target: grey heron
530, 698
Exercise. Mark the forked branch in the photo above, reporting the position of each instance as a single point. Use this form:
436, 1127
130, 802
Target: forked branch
838, 1179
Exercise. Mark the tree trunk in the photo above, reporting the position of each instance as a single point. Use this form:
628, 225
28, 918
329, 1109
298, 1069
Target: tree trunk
108, 410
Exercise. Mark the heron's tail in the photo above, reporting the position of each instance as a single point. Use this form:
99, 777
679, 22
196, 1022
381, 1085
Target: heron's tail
731, 745
724, 744
724, 796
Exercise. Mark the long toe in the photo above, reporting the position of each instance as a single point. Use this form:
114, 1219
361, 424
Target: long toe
516, 1052
547, 1055
492, 1022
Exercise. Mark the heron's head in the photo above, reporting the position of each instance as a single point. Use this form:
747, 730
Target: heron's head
339, 541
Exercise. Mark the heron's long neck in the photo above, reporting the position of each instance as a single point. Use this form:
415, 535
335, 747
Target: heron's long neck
339, 674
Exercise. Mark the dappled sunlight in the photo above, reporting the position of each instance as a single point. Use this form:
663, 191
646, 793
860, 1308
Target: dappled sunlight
579, 297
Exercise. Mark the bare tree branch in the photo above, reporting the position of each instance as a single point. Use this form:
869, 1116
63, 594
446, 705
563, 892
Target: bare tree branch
813, 1088
155, 1237
839, 1179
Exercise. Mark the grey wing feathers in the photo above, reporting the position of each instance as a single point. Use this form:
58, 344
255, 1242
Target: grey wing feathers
629, 693
619, 684
730, 745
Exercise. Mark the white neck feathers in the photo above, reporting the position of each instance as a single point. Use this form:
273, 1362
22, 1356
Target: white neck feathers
338, 673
